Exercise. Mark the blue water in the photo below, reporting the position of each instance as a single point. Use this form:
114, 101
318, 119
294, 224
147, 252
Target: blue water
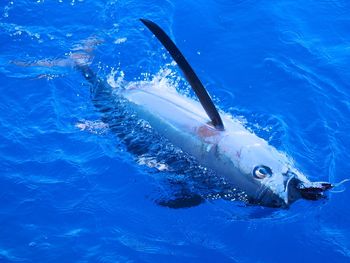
69, 194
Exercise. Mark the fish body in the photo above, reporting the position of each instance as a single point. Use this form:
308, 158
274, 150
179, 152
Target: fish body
232, 153
215, 139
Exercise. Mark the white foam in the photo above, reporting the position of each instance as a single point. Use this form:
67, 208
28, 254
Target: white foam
120, 40
95, 127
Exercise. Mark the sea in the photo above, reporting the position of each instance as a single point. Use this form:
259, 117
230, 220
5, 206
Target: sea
70, 191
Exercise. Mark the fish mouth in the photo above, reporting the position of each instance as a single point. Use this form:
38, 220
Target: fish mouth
294, 189
314, 190
297, 189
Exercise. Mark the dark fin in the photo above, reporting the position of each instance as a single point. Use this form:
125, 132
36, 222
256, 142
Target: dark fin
184, 201
190, 75
179, 195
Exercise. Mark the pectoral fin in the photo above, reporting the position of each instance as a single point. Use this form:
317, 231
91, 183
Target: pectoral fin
184, 201
179, 195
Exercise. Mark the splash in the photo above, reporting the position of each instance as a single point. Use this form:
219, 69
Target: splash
120, 40
95, 127
152, 162
115, 78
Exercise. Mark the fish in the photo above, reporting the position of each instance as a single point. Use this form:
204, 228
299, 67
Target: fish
215, 139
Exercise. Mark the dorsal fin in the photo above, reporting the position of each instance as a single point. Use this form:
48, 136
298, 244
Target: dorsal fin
189, 73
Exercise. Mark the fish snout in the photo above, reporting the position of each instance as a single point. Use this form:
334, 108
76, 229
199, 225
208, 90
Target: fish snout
314, 190
297, 189
293, 188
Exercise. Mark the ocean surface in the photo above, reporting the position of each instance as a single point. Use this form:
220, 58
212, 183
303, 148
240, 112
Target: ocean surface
69, 190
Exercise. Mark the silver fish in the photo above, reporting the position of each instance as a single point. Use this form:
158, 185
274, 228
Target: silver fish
267, 176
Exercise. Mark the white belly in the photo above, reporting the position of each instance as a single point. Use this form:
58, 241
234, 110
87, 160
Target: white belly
184, 122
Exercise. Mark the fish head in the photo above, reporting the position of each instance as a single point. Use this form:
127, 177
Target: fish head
283, 189
278, 183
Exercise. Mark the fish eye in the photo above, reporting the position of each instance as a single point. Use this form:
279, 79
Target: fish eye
262, 171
